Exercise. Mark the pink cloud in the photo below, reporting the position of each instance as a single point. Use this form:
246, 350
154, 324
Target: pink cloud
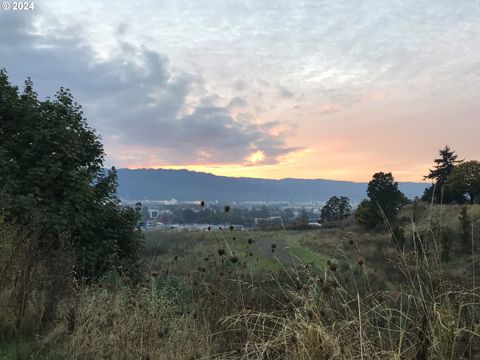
329, 108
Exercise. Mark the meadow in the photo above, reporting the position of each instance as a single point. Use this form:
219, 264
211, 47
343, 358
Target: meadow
337, 292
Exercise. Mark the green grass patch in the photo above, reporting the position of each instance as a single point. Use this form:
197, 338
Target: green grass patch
305, 255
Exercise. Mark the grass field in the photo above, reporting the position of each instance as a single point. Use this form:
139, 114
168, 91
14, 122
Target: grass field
259, 251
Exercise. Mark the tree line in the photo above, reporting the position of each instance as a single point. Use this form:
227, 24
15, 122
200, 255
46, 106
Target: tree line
453, 182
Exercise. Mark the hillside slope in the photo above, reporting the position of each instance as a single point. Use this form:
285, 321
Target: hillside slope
161, 184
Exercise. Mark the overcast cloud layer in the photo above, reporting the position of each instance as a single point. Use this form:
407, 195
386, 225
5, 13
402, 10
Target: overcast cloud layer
145, 111
286, 88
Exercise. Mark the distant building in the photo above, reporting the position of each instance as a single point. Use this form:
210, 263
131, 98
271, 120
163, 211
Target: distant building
153, 213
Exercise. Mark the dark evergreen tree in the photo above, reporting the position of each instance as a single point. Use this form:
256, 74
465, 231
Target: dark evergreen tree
444, 165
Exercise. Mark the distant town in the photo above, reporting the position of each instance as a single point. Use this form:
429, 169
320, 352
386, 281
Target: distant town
201, 215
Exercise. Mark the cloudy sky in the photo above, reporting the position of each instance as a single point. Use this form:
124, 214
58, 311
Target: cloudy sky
335, 89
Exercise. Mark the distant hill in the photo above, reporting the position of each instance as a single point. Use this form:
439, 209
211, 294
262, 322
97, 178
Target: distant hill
161, 184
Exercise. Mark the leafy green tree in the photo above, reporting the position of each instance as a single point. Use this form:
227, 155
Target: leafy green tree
287, 215
51, 164
262, 218
385, 199
464, 180
303, 218
444, 165
366, 214
336, 208
383, 191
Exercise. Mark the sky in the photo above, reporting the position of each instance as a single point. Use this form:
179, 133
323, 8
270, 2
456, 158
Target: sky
332, 89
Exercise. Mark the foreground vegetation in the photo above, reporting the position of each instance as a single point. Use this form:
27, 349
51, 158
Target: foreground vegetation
231, 294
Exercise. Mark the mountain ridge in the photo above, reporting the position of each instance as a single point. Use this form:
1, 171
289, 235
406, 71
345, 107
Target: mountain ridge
183, 184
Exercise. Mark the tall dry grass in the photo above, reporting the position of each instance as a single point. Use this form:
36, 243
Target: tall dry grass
339, 314
134, 324
222, 310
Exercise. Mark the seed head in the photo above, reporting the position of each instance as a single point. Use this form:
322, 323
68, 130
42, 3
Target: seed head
250, 241
227, 208
333, 266
233, 259
221, 252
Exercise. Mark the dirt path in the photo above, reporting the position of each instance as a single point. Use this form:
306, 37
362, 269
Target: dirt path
281, 252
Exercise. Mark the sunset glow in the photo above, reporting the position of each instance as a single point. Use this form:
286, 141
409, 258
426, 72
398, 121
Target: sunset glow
329, 90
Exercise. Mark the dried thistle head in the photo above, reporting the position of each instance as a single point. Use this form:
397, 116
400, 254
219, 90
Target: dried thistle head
221, 252
250, 241
227, 208
233, 259
332, 266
